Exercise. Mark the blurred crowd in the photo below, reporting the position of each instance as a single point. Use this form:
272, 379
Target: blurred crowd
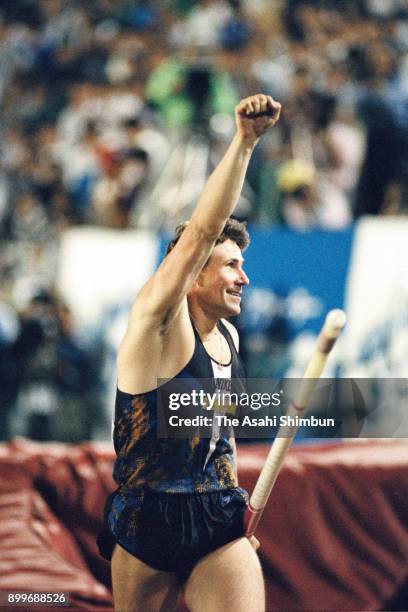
114, 111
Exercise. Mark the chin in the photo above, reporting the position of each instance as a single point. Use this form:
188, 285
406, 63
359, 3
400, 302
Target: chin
234, 311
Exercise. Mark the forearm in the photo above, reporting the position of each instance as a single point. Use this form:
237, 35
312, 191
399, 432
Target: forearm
253, 117
223, 187
161, 297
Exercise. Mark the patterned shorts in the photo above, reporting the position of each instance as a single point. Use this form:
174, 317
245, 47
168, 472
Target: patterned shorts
171, 532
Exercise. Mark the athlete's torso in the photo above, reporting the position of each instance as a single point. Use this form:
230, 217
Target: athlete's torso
171, 464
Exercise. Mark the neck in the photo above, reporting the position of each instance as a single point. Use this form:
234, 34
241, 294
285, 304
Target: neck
204, 322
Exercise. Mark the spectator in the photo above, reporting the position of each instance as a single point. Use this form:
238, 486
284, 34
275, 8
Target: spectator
55, 376
307, 201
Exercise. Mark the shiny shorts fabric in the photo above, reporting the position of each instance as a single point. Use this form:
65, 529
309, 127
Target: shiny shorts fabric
171, 532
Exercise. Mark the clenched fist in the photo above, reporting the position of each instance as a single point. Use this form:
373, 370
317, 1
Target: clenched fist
256, 115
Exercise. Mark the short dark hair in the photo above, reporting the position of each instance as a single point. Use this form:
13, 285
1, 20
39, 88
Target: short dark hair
233, 230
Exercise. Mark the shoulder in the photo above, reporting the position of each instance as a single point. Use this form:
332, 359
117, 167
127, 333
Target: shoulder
232, 330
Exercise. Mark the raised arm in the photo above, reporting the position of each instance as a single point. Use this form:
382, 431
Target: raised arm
159, 319
162, 295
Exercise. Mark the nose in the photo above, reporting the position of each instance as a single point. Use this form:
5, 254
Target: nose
243, 279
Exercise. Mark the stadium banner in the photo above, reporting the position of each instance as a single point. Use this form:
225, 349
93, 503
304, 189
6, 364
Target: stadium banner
375, 340
295, 279
101, 270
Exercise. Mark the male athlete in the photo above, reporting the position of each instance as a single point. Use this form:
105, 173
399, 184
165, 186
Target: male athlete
175, 521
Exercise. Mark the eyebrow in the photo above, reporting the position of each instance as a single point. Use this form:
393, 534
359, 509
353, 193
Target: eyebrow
241, 261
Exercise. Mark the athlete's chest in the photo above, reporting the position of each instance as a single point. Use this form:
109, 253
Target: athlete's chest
217, 348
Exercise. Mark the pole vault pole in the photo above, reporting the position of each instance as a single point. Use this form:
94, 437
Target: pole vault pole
334, 323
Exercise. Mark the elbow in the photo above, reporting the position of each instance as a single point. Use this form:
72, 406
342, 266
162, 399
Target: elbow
205, 230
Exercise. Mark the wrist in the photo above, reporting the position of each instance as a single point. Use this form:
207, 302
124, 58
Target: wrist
246, 143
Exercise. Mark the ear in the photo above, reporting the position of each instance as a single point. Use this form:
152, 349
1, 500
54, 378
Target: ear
200, 280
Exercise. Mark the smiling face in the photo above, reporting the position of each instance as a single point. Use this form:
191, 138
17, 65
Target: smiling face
218, 288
